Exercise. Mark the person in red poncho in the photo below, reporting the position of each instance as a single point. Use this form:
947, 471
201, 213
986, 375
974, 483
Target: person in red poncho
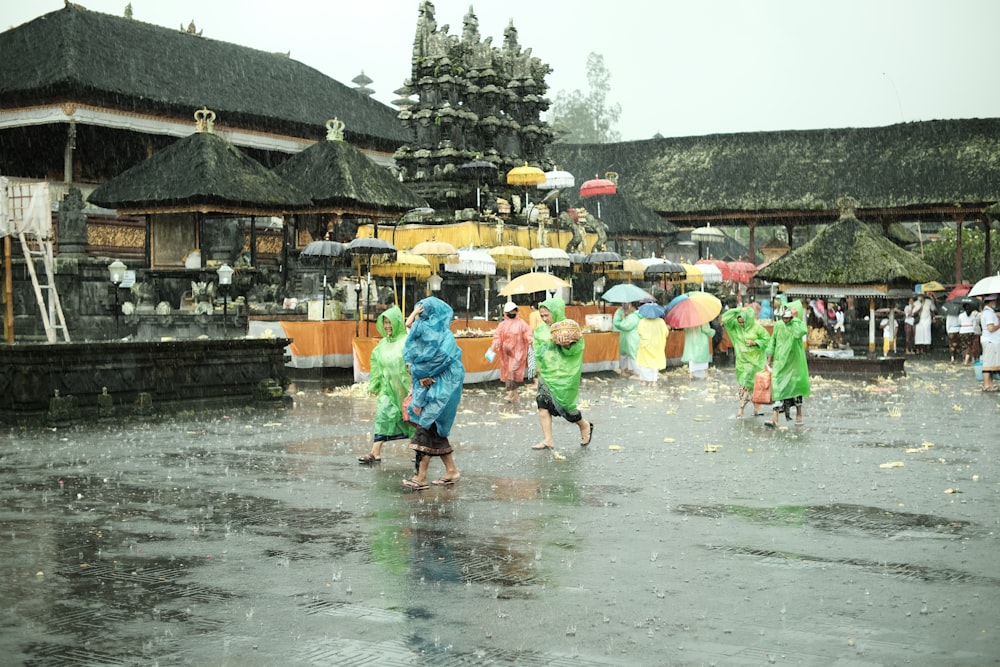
511, 341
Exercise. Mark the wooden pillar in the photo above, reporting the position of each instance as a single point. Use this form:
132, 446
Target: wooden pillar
988, 256
958, 217
788, 230
253, 241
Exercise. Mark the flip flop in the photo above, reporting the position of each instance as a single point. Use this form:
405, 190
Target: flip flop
543, 445
445, 481
590, 436
414, 485
369, 458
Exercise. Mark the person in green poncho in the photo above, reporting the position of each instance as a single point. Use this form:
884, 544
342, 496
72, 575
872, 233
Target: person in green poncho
559, 371
786, 356
626, 322
749, 339
389, 380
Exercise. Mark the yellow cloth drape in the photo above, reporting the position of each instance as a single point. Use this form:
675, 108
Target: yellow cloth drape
473, 234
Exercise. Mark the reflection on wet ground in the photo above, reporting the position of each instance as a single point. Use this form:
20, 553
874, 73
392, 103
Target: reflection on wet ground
681, 536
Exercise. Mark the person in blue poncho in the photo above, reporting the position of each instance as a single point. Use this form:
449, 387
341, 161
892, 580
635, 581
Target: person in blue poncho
559, 369
435, 363
390, 382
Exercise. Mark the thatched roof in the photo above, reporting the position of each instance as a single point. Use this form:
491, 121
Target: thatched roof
87, 57
334, 173
625, 215
201, 172
911, 164
849, 252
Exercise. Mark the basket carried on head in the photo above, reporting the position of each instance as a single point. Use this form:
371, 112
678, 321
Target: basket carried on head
565, 332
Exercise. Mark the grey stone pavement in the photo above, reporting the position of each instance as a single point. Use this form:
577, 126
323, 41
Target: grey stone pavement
681, 536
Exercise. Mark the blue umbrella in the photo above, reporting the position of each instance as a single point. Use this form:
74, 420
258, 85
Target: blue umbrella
651, 310
626, 293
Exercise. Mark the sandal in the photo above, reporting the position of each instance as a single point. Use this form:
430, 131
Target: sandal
543, 445
369, 458
590, 436
414, 485
445, 481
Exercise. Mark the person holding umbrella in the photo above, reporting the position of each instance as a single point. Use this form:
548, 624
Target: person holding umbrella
991, 342
390, 381
625, 321
560, 367
750, 339
786, 359
435, 363
511, 342
652, 330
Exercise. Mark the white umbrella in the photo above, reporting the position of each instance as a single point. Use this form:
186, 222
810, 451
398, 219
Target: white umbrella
557, 180
988, 285
472, 262
546, 258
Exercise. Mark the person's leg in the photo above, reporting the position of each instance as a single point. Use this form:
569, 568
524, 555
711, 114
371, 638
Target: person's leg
450, 470
586, 432
422, 465
545, 421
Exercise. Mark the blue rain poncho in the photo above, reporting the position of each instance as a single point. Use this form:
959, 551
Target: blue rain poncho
432, 352
560, 368
750, 359
389, 380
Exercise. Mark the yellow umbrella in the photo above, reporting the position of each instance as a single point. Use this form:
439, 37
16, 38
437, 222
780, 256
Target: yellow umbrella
932, 286
536, 281
437, 253
694, 274
525, 176
405, 265
512, 257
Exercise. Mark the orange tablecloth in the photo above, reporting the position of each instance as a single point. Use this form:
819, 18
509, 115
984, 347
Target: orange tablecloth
314, 344
600, 353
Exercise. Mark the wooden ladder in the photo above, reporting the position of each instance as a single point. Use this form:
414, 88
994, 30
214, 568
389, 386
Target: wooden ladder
51, 309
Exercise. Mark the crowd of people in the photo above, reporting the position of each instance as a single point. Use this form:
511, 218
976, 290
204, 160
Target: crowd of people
417, 373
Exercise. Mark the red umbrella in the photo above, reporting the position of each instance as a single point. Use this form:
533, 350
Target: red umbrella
597, 187
741, 272
958, 291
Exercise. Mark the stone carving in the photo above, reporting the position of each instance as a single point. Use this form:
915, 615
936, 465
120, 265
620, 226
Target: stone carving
571, 221
72, 222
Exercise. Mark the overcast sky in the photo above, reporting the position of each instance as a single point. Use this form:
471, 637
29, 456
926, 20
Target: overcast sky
678, 68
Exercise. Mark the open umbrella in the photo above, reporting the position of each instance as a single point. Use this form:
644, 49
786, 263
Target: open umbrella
692, 309
437, 253
664, 270
368, 251
602, 261
546, 258
473, 262
626, 293
526, 177
988, 285
693, 274
954, 306
741, 272
512, 257
958, 291
711, 272
535, 281
932, 286
406, 265
651, 310
328, 250
557, 180
597, 187
480, 171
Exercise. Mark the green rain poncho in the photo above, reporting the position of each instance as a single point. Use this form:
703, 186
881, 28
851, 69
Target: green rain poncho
628, 333
789, 370
389, 379
560, 368
750, 359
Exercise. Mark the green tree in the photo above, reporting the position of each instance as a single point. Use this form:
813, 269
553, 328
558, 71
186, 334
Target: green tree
578, 118
941, 253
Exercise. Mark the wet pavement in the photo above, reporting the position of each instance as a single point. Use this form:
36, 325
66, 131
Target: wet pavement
680, 536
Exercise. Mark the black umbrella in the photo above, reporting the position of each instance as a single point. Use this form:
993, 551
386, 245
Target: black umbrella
954, 307
479, 170
328, 250
667, 271
368, 251
605, 260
